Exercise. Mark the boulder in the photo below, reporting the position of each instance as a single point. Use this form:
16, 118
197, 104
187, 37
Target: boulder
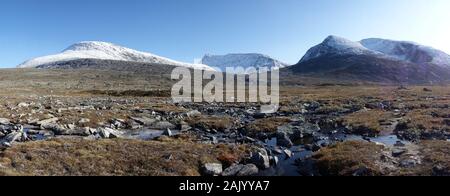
47, 121
212, 169
108, 133
193, 113
163, 125
167, 133
4, 121
261, 159
284, 140
144, 120
398, 152
241, 170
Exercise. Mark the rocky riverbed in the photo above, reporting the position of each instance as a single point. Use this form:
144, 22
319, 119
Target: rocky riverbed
123, 122
292, 141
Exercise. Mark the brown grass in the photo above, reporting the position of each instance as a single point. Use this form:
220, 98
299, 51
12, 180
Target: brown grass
219, 123
345, 158
268, 125
366, 122
75, 157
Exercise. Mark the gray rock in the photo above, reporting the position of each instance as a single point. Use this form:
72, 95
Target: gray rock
193, 113
261, 159
248, 170
168, 133
288, 153
398, 152
144, 120
108, 133
84, 120
4, 121
408, 163
241, 170
163, 125
23, 105
212, 169
13, 137
47, 121
284, 140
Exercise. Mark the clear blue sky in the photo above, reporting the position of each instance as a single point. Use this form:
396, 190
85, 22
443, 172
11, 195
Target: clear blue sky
186, 29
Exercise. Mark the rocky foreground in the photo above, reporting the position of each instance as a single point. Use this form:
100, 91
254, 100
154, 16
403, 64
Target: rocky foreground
72, 129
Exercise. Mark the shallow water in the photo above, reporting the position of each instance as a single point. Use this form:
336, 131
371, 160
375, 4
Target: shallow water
146, 134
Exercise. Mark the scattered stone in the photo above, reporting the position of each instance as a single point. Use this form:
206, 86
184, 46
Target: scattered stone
212, 169
427, 90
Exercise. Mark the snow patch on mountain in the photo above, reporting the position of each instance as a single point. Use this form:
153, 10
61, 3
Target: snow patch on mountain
337, 46
408, 51
249, 60
105, 51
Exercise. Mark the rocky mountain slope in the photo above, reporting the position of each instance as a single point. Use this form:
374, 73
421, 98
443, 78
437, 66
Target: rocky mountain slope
374, 60
242, 60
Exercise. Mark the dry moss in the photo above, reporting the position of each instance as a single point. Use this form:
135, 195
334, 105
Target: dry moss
344, 159
74, 157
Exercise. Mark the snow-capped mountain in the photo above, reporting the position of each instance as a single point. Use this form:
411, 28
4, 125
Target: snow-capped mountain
245, 61
105, 51
375, 60
408, 51
334, 45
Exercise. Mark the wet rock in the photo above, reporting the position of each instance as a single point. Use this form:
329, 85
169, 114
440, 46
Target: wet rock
261, 159
274, 160
167, 133
305, 130
288, 153
212, 169
241, 170
284, 140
